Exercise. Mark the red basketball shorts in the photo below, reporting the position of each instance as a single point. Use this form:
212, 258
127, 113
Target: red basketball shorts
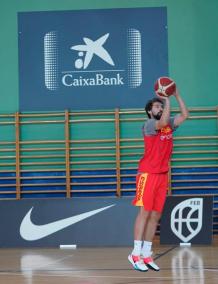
151, 191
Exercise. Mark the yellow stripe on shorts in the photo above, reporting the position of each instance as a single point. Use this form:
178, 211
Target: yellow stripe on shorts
140, 189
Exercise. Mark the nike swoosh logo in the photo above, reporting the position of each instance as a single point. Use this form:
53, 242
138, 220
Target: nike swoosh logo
32, 232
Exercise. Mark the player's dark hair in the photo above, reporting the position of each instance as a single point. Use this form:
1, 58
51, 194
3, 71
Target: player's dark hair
150, 103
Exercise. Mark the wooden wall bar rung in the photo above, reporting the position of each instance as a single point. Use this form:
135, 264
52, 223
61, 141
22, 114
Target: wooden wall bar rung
95, 190
90, 113
41, 177
7, 185
203, 117
44, 191
42, 142
42, 149
93, 176
7, 150
95, 183
194, 180
93, 162
195, 144
42, 122
194, 187
7, 143
195, 173
93, 155
196, 137
94, 148
196, 152
41, 115
6, 123
44, 184
196, 166
92, 120
41, 156
195, 159
93, 141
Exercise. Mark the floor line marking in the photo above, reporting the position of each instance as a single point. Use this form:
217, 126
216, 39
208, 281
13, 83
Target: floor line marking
164, 253
104, 276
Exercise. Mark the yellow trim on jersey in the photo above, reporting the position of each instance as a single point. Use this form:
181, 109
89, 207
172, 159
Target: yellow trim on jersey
140, 189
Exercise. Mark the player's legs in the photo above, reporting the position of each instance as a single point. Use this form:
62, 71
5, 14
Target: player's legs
154, 217
140, 223
144, 199
135, 256
142, 188
160, 190
149, 233
151, 226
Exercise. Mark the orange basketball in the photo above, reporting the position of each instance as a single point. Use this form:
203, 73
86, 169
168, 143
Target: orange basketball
165, 86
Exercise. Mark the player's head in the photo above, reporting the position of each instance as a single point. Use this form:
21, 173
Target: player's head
154, 108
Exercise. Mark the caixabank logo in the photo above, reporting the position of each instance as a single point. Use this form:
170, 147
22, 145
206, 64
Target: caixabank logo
90, 59
83, 74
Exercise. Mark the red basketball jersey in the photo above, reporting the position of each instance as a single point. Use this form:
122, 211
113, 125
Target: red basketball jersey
158, 148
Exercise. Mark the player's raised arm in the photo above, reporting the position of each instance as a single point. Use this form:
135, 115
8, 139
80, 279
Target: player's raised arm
165, 117
184, 113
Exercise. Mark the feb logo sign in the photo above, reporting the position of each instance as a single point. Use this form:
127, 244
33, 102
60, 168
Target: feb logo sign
187, 220
90, 59
187, 225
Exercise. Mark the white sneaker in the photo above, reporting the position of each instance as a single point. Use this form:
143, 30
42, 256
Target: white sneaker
149, 262
137, 263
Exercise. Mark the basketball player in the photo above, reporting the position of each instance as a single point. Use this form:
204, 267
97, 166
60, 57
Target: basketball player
152, 177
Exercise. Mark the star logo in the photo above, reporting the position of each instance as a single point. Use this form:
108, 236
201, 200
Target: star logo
91, 48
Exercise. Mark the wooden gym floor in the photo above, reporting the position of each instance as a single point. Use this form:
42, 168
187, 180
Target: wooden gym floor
188, 265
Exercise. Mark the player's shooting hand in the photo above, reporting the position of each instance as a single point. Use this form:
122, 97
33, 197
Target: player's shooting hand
161, 97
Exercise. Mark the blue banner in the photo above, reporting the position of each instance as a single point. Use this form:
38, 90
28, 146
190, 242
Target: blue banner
54, 222
90, 59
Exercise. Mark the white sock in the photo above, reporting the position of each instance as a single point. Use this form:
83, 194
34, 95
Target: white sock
137, 247
146, 249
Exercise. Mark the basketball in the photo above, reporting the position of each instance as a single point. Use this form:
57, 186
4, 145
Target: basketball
165, 86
